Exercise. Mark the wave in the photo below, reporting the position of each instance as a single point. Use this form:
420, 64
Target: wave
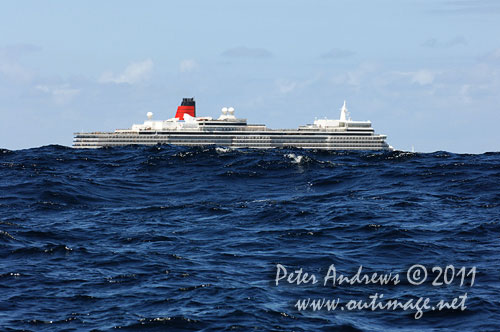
178, 238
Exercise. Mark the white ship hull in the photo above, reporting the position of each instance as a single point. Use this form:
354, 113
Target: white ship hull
261, 140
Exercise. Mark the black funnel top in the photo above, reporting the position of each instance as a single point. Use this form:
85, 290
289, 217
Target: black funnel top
188, 102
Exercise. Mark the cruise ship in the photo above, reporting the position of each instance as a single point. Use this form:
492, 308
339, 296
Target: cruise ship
229, 131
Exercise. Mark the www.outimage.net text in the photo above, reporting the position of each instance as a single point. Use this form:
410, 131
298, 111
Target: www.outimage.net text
415, 275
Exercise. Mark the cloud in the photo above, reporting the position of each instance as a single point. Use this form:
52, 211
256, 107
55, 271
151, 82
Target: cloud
245, 52
337, 53
187, 65
61, 95
15, 72
434, 43
15, 51
492, 56
496, 54
422, 77
286, 85
356, 77
468, 7
133, 73
464, 93
10, 66
373, 76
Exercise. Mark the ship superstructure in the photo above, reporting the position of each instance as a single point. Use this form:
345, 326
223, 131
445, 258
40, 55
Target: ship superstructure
228, 130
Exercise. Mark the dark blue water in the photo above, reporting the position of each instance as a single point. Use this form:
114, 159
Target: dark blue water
173, 238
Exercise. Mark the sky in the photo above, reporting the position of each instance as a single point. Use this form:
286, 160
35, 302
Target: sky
425, 72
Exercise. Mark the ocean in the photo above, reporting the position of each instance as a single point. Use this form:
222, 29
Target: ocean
168, 238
